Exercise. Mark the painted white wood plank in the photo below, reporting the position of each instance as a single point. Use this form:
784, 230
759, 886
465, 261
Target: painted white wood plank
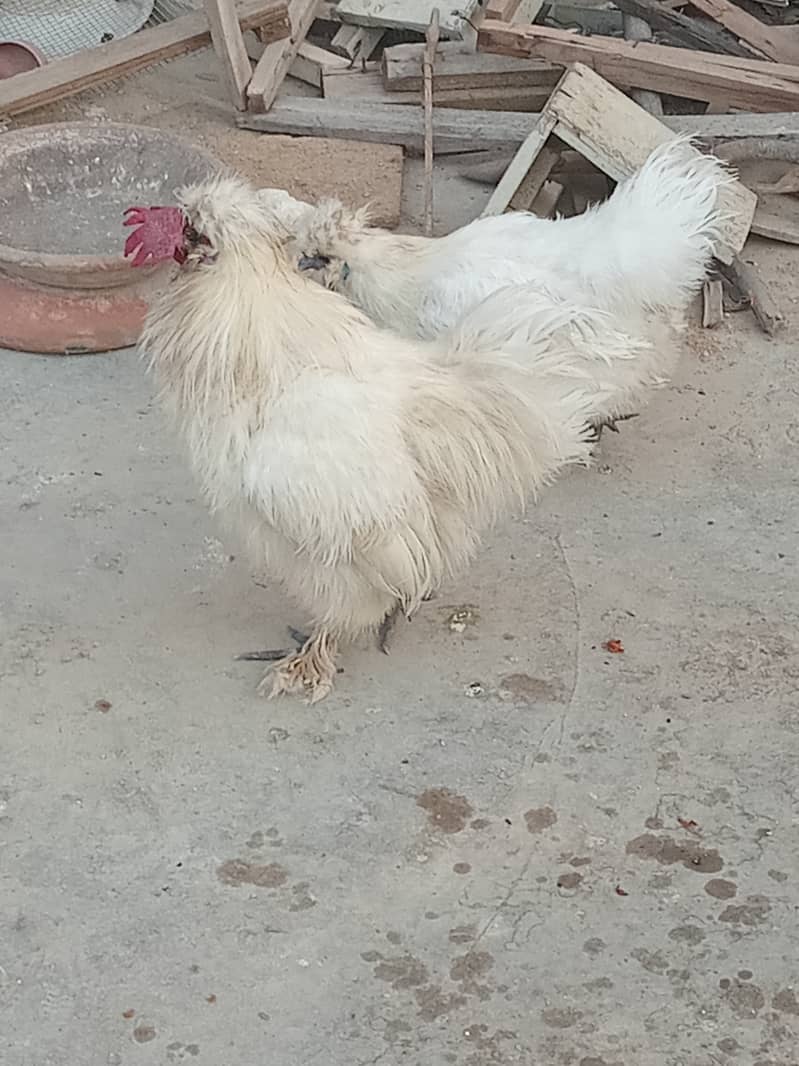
408, 14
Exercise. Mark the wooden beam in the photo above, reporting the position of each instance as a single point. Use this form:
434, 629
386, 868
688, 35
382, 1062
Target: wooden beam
228, 42
428, 60
408, 15
776, 42
94, 66
457, 68
361, 86
467, 130
277, 57
748, 84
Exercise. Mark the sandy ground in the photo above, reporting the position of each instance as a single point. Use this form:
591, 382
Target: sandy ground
500, 845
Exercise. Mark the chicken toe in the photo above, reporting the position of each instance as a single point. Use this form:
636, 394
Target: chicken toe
309, 672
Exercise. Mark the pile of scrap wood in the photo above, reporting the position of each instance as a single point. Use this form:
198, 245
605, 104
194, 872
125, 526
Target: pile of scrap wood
544, 110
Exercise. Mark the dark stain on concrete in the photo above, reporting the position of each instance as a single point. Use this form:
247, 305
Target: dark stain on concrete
786, 1002
446, 810
753, 912
594, 946
143, 1034
462, 868
526, 689
401, 971
667, 852
434, 1004
303, 900
569, 880
237, 872
718, 888
580, 861
561, 1017
479, 823
687, 934
745, 1000
463, 934
729, 1045
652, 961
393, 937
470, 970
778, 875
539, 818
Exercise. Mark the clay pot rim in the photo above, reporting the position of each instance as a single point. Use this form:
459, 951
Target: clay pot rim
72, 271
26, 46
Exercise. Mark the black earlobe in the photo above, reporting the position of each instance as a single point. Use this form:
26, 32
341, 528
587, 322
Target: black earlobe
313, 262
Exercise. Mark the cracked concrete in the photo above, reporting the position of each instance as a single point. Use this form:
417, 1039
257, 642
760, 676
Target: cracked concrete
503, 844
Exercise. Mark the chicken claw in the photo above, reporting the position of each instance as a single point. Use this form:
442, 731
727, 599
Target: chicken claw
273, 655
609, 423
386, 628
310, 672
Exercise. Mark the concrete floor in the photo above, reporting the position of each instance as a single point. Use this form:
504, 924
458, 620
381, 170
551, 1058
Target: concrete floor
501, 845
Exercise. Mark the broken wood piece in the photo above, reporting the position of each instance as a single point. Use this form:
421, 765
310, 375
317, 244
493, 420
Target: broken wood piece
273, 66
431, 42
752, 85
777, 42
679, 29
95, 66
457, 68
356, 42
521, 164
408, 15
547, 199
530, 191
712, 303
228, 42
365, 85
311, 63
504, 10
775, 227
746, 278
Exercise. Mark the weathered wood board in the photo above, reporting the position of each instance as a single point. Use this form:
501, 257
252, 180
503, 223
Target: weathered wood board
408, 14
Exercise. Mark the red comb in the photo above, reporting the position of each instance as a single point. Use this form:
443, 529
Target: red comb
158, 235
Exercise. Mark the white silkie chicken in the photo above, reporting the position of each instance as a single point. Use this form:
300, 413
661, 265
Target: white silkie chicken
360, 467
639, 257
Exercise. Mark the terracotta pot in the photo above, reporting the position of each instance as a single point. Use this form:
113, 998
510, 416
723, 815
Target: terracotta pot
17, 57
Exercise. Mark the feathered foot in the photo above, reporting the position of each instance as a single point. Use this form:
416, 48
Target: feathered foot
609, 422
273, 655
310, 672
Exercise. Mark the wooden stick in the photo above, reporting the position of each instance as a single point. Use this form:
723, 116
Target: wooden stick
231, 51
116, 59
712, 303
431, 43
635, 29
751, 85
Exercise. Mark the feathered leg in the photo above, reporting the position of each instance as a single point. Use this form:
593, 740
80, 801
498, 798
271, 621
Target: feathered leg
310, 672
608, 422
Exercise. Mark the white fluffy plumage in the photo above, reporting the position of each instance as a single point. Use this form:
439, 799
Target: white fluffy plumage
361, 467
640, 257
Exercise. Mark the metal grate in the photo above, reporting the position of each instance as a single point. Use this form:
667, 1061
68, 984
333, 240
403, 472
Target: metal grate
62, 27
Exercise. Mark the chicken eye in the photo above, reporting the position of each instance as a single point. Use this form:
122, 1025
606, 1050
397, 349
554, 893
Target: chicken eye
190, 233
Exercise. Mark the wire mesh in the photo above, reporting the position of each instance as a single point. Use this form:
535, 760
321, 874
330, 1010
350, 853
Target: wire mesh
63, 27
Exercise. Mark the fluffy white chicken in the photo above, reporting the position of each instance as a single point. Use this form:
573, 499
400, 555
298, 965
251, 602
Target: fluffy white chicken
361, 467
640, 257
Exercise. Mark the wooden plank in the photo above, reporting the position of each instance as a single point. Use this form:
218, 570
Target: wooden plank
228, 42
360, 85
467, 130
311, 64
407, 15
753, 87
679, 29
454, 130
776, 42
636, 29
187, 33
712, 303
277, 57
520, 165
504, 10
356, 42
606, 127
460, 69
531, 188
747, 280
